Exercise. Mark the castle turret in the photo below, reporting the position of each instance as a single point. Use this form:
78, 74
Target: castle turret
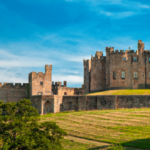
87, 77
140, 47
109, 50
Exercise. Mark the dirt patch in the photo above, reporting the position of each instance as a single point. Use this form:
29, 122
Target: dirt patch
102, 145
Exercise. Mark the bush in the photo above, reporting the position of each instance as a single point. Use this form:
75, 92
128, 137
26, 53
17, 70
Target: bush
19, 128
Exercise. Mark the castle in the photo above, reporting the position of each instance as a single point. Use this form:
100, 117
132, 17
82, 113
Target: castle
118, 70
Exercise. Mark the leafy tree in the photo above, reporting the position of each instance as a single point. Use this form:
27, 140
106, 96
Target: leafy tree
19, 128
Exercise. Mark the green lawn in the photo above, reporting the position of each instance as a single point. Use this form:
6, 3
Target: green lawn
130, 127
123, 92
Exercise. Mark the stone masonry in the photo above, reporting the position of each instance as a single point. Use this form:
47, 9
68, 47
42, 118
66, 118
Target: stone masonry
57, 103
117, 70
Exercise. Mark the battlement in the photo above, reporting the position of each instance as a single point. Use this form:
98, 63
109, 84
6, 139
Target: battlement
40, 73
146, 51
109, 49
86, 62
98, 54
140, 45
124, 52
48, 68
66, 88
59, 83
36, 74
12, 85
100, 58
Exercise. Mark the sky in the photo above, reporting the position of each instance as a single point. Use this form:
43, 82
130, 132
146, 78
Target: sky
62, 33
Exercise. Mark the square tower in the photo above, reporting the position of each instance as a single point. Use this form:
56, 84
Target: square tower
39, 83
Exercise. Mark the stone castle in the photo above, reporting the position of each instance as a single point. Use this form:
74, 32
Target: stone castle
116, 70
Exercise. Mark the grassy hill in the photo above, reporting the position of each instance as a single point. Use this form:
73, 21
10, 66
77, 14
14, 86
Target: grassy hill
123, 92
130, 127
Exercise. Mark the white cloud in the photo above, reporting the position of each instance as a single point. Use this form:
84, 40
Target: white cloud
10, 76
71, 79
7, 59
69, 71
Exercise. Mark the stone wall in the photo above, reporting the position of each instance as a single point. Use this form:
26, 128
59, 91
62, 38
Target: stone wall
56, 103
13, 93
36, 101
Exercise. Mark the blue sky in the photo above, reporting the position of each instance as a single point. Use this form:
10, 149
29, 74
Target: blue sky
63, 32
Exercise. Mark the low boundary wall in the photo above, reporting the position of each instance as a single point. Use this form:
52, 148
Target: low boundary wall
56, 103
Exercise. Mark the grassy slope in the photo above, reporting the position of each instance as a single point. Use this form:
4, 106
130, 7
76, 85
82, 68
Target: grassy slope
131, 127
123, 92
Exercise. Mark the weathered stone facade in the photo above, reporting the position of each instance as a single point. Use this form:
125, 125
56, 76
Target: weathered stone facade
39, 83
59, 89
107, 72
57, 103
13, 93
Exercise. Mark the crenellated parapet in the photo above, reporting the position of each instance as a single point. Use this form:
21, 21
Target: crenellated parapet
6, 84
109, 50
65, 88
146, 51
86, 62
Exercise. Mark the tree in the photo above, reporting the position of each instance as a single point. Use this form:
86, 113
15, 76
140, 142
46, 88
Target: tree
19, 128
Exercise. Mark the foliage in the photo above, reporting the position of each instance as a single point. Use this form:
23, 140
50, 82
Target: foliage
19, 128
116, 147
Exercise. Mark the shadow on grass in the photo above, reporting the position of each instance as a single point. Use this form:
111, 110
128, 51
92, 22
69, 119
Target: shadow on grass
98, 148
139, 143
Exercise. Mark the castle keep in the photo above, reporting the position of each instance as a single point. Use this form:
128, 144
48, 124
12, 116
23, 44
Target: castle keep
118, 70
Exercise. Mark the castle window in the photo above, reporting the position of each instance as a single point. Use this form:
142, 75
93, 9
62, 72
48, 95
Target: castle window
41, 83
85, 69
114, 75
149, 74
135, 75
65, 93
134, 58
124, 58
85, 77
149, 59
40, 93
123, 74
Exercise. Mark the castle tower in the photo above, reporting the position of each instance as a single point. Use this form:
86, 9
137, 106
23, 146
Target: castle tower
39, 83
87, 76
97, 72
109, 50
142, 64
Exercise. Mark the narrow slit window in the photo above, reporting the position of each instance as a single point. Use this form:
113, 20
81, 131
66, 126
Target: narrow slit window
134, 58
124, 58
41, 83
123, 74
149, 59
135, 75
149, 74
114, 75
